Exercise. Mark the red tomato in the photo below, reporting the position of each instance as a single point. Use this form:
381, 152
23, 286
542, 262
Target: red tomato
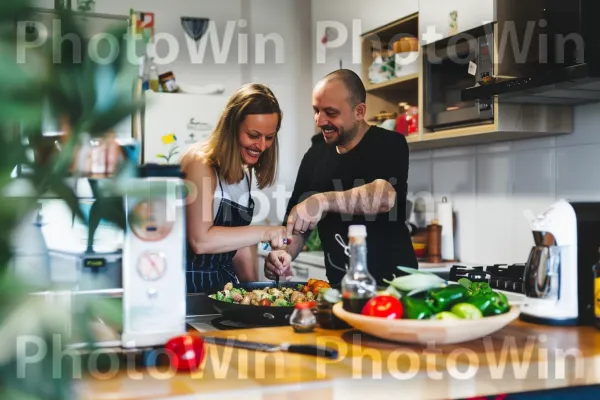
264, 303
384, 306
186, 352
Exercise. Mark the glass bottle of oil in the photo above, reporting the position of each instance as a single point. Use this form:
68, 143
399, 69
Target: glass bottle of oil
358, 285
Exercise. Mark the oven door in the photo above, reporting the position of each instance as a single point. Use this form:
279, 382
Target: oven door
451, 66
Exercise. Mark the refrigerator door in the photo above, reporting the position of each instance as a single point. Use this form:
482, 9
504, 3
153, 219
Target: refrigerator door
175, 121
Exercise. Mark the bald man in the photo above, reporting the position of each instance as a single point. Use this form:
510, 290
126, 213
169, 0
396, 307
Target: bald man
354, 173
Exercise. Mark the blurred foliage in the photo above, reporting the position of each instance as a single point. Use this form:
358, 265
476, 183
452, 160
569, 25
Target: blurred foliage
59, 82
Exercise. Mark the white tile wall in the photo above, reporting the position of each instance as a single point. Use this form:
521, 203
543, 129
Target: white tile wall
491, 185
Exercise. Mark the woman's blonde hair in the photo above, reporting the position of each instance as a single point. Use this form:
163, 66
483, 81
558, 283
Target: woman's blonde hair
222, 149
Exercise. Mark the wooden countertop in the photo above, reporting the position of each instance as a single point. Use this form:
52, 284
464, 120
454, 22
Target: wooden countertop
521, 357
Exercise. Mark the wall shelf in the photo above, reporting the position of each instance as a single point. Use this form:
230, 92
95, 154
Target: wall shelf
408, 82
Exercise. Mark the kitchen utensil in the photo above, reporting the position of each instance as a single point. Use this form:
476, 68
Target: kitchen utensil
310, 350
558, 281
437, 331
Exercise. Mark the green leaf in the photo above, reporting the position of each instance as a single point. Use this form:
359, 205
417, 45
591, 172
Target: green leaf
60, 188
415, 271
465, 283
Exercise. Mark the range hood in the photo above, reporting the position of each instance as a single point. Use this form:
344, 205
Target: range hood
574, 85
562, 64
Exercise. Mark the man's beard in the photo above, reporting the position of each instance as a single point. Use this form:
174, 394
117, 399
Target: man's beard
346, 136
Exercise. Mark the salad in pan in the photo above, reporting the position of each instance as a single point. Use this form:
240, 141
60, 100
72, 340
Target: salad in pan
271, 296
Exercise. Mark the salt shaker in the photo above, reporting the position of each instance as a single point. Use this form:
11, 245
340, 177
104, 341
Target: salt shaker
303, 318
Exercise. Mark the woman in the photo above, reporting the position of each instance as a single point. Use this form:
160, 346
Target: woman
244, 143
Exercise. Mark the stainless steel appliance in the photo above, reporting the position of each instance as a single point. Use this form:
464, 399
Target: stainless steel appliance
558, 278
454, 64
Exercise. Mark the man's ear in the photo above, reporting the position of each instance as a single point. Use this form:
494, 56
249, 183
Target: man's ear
360, 111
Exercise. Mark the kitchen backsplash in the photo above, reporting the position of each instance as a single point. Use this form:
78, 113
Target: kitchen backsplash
491, 185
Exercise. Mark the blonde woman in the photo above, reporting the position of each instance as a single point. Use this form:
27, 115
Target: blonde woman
219, 235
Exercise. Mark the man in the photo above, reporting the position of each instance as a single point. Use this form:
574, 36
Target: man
354, 173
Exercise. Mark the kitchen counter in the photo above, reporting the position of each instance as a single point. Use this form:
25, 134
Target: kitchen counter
521, 357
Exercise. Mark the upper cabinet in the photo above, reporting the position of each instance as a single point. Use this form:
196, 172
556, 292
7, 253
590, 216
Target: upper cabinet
439, 19
383, 12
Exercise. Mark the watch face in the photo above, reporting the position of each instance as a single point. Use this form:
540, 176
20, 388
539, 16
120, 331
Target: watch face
149, 222
152, 266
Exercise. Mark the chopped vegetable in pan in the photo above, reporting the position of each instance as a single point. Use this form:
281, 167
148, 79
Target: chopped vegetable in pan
270, 296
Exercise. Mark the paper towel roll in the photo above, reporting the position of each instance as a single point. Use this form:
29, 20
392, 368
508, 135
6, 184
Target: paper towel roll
446, 220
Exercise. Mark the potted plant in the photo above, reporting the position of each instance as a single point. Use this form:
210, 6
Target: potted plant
31, 166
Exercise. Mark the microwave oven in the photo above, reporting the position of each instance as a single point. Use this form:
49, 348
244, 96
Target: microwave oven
450, 66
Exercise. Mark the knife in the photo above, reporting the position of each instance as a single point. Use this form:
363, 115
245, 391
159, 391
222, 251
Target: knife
306, 349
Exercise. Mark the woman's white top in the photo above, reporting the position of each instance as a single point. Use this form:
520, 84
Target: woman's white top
237, 192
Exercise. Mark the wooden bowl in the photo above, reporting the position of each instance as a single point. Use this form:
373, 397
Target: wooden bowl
427, 331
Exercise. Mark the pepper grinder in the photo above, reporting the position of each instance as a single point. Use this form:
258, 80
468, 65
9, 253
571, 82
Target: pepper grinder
434, 242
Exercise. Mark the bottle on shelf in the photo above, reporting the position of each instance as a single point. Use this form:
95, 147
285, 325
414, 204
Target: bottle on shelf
596, 272
153, 77
358, 285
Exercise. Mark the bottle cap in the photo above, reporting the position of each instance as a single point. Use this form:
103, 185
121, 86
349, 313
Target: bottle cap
306, 304
357, 231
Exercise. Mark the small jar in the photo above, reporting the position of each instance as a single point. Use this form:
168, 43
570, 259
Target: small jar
167, 80
303, 318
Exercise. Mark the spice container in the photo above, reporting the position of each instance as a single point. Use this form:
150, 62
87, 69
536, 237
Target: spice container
303, 318
168, 83
434, 242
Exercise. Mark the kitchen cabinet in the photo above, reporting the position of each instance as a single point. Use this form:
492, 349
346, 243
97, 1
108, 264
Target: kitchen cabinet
386, 12
440, 19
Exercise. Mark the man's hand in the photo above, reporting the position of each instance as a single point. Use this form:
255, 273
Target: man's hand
306, 215
278, 262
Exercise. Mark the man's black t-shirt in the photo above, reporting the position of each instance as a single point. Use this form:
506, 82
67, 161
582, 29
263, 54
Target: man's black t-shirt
381, 154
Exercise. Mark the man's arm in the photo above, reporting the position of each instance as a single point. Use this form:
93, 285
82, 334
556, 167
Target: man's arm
376, 197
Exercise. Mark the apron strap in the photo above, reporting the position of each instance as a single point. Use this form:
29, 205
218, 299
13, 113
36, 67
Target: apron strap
218, 173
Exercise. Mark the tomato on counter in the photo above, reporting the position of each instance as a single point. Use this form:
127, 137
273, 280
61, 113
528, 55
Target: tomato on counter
384, 306
186, 352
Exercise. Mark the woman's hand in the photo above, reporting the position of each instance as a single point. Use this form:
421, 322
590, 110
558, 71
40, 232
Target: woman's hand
278, 262
275, 236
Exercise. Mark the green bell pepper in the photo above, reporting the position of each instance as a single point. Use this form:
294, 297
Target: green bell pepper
493, 303
416, 308
484, 303
444, 298
500, 303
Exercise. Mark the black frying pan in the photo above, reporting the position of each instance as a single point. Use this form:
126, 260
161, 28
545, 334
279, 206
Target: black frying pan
255, 315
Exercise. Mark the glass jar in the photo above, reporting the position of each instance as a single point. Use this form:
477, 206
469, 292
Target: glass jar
303, 318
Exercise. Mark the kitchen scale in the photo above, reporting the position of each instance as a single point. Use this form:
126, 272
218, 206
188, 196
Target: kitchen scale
154, 290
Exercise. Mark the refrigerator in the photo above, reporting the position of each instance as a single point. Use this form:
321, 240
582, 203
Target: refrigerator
173, 122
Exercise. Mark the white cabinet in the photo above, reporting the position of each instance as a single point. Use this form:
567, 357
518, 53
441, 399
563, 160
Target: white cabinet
375, 14
439, 19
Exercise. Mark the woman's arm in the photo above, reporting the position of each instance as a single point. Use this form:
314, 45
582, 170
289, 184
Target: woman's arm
203, 237
245, 264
